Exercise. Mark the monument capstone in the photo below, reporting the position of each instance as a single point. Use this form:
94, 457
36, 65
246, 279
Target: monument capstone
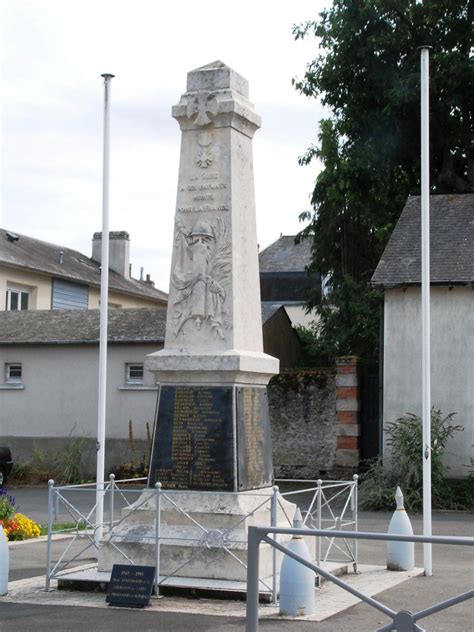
212, 431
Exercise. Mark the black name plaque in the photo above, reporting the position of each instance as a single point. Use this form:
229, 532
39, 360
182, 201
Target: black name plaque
130, 585
193, 443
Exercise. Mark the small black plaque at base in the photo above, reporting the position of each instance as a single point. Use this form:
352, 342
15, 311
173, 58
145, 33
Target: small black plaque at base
130, 586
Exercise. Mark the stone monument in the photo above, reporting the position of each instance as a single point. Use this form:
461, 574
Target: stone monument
212, 429
213, 362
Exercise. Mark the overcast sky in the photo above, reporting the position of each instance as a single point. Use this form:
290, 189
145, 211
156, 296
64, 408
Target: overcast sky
53, 53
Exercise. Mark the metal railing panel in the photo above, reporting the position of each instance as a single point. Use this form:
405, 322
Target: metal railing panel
402, 621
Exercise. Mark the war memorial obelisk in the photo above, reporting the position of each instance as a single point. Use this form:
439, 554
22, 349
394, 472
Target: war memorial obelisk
212, 431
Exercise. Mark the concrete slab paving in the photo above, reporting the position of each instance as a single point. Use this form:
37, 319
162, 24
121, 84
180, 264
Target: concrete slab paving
330, 599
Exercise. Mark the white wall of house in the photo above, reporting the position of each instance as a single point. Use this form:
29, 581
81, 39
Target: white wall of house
298, 315
118, 299
452, 362
58, 394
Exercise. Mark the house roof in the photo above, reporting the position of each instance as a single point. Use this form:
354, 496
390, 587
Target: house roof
43, 257
81, 326
270, 309
451, 243
286, 256
77, 326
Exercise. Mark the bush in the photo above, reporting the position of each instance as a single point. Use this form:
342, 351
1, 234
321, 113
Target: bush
405, 466
64, 466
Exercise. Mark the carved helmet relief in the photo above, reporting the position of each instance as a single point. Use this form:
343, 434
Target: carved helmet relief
201, 272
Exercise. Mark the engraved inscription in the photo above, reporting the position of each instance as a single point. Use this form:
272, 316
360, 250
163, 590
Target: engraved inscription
254, 433
205, 193
130, 585
202, 269
193, 441
254, 440
203, 187
198, 209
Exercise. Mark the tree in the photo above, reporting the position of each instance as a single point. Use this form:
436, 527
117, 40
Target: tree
367, 74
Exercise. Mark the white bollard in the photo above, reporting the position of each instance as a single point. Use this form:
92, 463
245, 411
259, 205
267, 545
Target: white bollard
400, 555
4, 562
296, 581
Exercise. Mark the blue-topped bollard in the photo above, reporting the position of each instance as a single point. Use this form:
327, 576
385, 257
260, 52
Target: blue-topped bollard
400, 555
296, 581
4, 562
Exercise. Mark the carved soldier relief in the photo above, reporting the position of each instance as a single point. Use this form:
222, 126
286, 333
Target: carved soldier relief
202, 270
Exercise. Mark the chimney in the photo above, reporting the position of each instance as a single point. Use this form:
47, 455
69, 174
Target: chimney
149, 281
119, 251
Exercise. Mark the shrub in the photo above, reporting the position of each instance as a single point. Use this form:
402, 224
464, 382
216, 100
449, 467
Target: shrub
405, 466
64, 466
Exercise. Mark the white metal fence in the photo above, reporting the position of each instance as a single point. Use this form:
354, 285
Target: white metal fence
332, 503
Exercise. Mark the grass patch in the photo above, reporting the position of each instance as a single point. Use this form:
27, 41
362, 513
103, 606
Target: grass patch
64, 526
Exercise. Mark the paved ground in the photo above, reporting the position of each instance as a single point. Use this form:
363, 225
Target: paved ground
453, 573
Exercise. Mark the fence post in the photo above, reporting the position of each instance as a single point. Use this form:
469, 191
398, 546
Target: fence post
319, 483
157, 538
355, 517
50, 534
56, 507
111, 506
274, 508
251, 619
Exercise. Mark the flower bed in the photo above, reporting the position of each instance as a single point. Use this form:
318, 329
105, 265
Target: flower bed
16, 525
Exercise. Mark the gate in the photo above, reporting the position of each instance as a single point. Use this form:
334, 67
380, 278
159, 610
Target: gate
370, 418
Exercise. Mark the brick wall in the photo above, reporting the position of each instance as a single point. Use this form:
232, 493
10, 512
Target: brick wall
347, 413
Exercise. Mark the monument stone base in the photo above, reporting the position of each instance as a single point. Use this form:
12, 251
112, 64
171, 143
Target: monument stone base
202, 535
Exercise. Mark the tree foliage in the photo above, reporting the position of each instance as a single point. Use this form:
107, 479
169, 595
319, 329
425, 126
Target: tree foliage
367, 74
347, 325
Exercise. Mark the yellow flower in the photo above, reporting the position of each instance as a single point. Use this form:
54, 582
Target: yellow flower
27, 528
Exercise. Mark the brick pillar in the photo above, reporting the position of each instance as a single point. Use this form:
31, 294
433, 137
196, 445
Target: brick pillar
347, 412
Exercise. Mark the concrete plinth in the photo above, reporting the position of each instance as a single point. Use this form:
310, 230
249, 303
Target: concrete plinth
202, 535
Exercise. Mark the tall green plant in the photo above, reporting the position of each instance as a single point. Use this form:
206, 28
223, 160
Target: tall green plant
405, 465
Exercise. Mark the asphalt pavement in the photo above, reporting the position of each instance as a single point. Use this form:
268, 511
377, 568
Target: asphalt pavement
453, 573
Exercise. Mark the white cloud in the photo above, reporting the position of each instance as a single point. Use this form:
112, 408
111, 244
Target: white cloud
53, 55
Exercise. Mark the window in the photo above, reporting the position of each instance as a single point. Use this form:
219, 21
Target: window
67, 295
17, 299
134, 373
13, 373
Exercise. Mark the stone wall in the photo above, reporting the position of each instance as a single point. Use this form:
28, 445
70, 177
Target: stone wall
314, 422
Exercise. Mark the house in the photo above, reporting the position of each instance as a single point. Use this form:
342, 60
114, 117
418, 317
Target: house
452, 318
37, 275
52, 357
284, 277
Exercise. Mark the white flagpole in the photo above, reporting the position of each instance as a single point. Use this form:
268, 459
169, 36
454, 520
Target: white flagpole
425, 306
104, 292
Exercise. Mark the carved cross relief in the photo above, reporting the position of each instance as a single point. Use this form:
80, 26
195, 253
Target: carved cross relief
200, 106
